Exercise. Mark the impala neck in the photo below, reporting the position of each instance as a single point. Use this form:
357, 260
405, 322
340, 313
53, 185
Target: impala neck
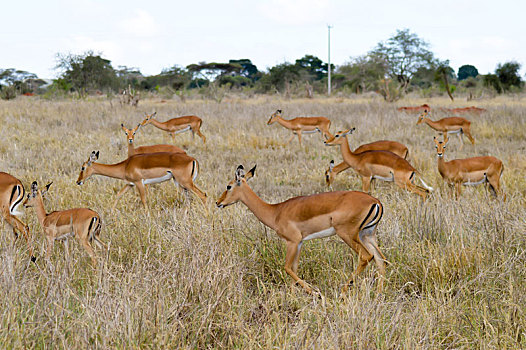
431, 123
349, 157
131, 149
265, 212
116, 171
284, 122
158, 124
41, 212
442, 164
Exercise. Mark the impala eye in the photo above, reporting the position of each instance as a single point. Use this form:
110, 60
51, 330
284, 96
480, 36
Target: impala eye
336, 136
228, 188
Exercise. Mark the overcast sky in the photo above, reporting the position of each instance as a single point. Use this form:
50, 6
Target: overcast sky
152, 35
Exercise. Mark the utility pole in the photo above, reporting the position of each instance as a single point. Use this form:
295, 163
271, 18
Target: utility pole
329, 66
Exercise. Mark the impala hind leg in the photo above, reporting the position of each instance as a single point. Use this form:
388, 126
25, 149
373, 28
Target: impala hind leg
89, 249
198, 132
290, 258
368, 238
19, 226
350, 235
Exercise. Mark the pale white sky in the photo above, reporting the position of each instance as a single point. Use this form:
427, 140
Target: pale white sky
152, 35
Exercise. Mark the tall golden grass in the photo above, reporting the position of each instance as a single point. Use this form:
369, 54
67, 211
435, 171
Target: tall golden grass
194, 277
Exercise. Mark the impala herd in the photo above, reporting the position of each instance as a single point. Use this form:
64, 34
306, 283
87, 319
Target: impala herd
352, 215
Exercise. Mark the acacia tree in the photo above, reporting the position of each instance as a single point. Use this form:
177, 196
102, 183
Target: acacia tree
508, 74
404, 53
467, 71
86, 72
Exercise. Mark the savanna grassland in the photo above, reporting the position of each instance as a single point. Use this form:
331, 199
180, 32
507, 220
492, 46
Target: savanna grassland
189, 276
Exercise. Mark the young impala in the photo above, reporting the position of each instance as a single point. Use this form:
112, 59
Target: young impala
469, 171
380, 165
178, 125
384, 145
130, 135
81, 223
142, 169
353, 216
302, 125
11, 196
450, 125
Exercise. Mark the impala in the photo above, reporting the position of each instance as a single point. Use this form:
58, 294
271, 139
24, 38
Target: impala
380, 165
353, 216
81, 223
142, 169
451, 125
302, 125
178, 125
470, 171
469, 110
390, 146
130, 135
414, 109
11, 196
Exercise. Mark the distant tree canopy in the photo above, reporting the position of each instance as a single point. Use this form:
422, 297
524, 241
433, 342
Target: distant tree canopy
14, 82
467, 71
86, 72
404, 53
508, 74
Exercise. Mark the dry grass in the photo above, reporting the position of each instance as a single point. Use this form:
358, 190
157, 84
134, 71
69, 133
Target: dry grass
187, 277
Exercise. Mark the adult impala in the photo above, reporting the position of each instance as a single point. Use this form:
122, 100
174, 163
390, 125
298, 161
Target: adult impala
11, 196
450, 125
142, 169
353, 216
381, 165
414, 109
470, 171
82, 223
383, 145
178, 125
302, 125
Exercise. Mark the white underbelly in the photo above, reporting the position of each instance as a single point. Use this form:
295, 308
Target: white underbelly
454, 131
320, 234
390, 179
310, 131
182, 130
156, 180
475, 183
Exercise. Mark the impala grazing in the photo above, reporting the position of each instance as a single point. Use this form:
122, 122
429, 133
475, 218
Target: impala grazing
302, 125
451, 125
142, 169
130, 135
414, 109
380, 165
81, 223
11, 196
353, 216
384, 145
469, 171
178, 125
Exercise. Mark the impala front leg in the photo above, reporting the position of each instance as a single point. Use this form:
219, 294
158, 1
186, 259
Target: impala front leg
366, 183
292, 251
119, 195
290, 139
299, 136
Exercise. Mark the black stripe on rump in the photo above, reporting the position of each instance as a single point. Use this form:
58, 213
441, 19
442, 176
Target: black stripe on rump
376, 219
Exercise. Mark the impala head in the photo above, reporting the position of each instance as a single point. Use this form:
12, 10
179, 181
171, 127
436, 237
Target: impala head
31, 199
274, 117
87, 170
425, 113
441, 146
147, 118
329, 174
130, 133
234, 187
338, 138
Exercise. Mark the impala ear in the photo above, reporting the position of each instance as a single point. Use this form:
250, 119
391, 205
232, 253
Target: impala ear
279, 111
348, 132
93, 156
240, 173
47, 187
34, 188
251, 173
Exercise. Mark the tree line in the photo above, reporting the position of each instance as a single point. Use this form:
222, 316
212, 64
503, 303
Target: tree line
393, 68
